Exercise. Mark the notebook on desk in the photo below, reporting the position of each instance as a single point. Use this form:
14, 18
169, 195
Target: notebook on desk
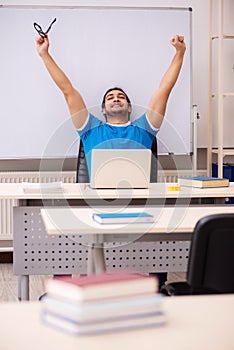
120, 168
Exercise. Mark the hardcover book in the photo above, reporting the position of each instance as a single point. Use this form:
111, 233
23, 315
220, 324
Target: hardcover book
152, 319
101, 286
203, 181
103, 310
123, 218
38, 187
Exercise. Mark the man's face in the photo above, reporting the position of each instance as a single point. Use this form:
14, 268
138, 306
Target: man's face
116, 104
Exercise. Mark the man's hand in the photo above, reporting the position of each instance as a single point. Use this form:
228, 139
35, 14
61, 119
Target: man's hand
42, 45
178, 42
157, 105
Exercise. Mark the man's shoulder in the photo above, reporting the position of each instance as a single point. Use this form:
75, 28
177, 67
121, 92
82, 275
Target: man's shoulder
95, 117
91, 122
139, 118
143, 122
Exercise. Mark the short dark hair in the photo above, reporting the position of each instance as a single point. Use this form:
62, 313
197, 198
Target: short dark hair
111, 89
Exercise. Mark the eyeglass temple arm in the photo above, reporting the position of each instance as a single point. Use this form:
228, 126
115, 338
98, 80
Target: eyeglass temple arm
50, 27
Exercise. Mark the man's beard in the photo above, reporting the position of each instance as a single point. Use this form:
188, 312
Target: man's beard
121, 116
122, 113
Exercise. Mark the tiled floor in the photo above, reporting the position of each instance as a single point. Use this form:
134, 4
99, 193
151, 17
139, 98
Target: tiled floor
9, 284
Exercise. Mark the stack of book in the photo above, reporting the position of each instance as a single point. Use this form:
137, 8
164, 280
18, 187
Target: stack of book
102, 303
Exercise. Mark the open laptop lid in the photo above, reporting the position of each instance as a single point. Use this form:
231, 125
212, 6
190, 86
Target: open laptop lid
120, 168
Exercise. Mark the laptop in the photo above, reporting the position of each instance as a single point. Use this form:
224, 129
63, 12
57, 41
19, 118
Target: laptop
120, 168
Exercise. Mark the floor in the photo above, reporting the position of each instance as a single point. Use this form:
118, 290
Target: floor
9, 283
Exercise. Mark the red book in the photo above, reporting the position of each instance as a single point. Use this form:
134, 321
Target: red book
101, 286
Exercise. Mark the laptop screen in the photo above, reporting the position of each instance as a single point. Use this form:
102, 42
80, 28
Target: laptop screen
120, 168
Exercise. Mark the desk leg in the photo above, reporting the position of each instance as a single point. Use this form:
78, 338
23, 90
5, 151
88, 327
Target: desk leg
99, 259
23, 287
96, 258
90, 264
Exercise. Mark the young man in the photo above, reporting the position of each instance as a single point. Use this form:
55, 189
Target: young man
118, 131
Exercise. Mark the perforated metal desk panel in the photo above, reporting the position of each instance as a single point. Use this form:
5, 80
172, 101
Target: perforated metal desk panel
36, 252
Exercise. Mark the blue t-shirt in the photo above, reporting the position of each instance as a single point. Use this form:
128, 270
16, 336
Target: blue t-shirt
98, 134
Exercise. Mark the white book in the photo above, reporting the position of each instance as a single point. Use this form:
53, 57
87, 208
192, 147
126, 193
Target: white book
103, 310
152, 319
38, 187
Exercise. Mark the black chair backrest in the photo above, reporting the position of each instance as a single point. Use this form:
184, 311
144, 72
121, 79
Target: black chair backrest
211, 258
154, 161
82, 171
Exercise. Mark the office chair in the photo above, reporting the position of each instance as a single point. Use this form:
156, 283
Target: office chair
82, 171
211, 258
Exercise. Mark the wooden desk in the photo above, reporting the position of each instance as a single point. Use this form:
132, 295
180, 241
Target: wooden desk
36, 253
84, 192
168, 221
194, 322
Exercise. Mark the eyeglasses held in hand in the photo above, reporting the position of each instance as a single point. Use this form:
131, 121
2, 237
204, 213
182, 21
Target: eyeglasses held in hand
40, 31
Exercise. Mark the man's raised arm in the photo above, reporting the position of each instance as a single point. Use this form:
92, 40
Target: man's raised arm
73, 98
158, 102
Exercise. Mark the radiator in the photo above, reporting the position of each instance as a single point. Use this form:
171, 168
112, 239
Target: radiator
6, 205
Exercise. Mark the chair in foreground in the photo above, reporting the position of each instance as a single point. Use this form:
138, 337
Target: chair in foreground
211, 259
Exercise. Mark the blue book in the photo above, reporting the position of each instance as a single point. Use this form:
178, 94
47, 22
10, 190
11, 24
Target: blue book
123, 218
203, 181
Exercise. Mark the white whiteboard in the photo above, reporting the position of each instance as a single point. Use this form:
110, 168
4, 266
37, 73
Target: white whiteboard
97, 48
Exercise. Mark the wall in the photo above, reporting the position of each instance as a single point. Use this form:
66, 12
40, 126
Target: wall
129, 61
